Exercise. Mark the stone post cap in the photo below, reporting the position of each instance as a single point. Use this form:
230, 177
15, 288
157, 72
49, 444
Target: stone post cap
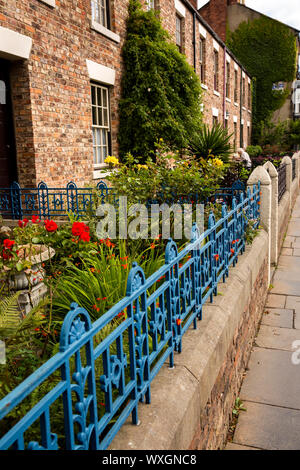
286, 160
259, 174
271, 169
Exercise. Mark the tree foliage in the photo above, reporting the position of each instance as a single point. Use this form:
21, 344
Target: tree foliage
160, 91
267, 48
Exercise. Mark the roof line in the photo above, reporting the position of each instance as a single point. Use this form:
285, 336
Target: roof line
214, 34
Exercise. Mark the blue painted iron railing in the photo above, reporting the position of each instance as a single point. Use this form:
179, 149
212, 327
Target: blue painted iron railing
103, 370
17, 203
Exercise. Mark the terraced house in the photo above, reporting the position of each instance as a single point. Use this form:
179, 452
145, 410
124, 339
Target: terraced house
60, 81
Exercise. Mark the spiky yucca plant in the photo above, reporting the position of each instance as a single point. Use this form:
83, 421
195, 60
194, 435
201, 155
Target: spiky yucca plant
213, 140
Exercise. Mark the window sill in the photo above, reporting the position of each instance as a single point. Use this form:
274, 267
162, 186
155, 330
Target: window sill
51, 3
228, 100
106, 32
101, 173
249, 111
244, 109
216, 93
236, 104
205, 87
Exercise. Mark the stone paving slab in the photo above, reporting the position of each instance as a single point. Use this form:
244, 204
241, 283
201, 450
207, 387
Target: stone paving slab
285, 286
276, 301
233, 446
268, 427
288, 264
293, 302
272, 379
277, 338
296, 242
280, 317
287, 242
293, 228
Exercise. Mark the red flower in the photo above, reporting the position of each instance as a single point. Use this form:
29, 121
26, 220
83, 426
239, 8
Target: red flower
84, 236
78, 228
178, 321
35, 219
50, 226
232, 250
23, 223
216, 257
8, 244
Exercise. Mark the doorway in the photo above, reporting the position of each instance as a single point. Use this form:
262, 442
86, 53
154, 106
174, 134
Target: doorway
8, 167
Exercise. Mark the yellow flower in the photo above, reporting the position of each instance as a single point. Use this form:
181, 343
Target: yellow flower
217, 162
145, 167
111, 161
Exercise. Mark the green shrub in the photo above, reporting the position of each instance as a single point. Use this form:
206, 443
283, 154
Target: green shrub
254, 150
211, 141
275, 46
161, 94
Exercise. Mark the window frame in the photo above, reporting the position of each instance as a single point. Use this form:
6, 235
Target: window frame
202, 57
236, 81
150, 5
102, 127
227, 87
179, 20
216, 70
97, 19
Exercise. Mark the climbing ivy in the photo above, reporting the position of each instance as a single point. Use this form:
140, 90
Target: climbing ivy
267, 48
161, 94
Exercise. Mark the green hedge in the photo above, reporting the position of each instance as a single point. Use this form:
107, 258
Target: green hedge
161, 94
268, 50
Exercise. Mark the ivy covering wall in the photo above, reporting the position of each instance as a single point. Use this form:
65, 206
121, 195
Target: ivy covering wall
268, 50
161, 94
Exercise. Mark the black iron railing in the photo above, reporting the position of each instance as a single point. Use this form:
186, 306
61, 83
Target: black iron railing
281, 181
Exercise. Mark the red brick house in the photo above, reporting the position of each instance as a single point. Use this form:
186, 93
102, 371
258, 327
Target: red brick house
60, 74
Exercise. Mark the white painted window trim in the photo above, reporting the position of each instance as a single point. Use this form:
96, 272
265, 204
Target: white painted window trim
244, 109
105, 31
235, 119
215, 112
216, 45
249, 80
100, 174
228, 58
14, 45
216, 93
180, 8
243, 75
248, 123
205, 87
236, 104
202, 31
100, 73
51, 3
228, 100
236, 67
242, 122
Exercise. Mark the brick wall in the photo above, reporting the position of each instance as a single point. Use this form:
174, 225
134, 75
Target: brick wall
215, 418
51, 91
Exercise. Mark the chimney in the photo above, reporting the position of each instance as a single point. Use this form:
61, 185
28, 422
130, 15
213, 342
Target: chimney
215, 14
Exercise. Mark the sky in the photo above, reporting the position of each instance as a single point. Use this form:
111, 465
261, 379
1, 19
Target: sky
287, 11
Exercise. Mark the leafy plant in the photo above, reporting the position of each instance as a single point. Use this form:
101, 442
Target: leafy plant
254, 150
161, 92
238, 406
275, 45
211, 141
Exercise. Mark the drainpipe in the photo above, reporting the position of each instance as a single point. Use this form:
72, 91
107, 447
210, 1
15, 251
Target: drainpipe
241, 106
194, 39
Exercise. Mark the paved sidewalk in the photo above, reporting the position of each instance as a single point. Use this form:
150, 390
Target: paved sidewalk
271, 388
